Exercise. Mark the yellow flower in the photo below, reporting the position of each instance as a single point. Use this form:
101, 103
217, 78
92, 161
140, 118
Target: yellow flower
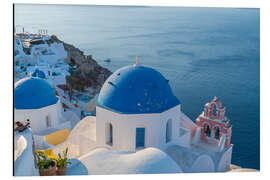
49, 153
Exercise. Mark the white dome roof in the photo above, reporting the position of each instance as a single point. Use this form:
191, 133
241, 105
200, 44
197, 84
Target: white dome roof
145, 161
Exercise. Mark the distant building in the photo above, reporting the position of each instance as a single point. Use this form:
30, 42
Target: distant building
38, 73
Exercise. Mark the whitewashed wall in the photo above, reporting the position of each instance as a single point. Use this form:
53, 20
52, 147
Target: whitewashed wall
203, 164
124, 128
37, 117
81, 140
225, 161
174, 115
24, 164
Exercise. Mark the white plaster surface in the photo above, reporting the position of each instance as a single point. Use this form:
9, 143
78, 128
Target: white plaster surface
24, 158
124, 128
103, 161
81, 140
37, 117
203, 164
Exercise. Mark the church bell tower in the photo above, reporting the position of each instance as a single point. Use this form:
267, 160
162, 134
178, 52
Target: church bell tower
215, 126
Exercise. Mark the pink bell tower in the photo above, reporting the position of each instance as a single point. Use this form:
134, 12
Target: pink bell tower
214, 124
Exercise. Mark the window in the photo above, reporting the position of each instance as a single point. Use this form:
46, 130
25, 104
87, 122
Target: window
214, 109
207, 130
109, 134
140, 137
169, 131
48, 121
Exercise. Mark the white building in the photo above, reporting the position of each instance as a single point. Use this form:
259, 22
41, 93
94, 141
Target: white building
35, 102
55, 77
136, 109
138, 120
19, 55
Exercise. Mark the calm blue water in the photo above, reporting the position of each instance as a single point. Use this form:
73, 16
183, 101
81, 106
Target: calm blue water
202, 51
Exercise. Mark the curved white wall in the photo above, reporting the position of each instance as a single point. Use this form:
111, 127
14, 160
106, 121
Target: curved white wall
24, 163
81, 140
225, 161
124, 128
37, 117
20, 145
203, 163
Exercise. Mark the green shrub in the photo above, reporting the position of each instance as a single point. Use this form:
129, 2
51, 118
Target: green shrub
62, 161
43, 162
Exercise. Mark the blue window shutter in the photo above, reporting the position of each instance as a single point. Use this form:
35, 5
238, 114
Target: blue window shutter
111, 134
140, 137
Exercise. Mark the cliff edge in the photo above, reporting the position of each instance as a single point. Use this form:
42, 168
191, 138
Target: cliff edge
86, 72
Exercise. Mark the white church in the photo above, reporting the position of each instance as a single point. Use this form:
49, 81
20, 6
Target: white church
136, 109
138, 128
35, 102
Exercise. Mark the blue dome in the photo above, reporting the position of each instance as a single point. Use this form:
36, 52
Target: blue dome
135, 90
33, 93
38, 73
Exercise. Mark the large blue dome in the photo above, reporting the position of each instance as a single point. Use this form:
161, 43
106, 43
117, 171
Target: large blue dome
136, 89
33, 93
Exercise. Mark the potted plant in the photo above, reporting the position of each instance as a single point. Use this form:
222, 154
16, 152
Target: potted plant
46, 166
62, 162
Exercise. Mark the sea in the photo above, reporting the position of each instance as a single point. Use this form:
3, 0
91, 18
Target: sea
203, 52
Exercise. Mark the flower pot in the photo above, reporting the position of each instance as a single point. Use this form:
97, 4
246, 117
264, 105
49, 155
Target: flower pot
49, 172
61, 171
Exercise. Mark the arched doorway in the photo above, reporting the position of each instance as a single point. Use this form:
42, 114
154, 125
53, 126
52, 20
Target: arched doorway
169, 131
48, 121
140, 137
207, 130
109, 134
217, 132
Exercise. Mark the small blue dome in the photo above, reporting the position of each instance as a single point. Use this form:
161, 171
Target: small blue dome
33, 93
135, 90
38, 73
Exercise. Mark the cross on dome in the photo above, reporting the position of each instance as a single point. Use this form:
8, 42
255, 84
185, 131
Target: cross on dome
137, 60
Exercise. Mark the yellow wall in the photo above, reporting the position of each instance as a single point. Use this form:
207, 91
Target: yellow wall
57, 137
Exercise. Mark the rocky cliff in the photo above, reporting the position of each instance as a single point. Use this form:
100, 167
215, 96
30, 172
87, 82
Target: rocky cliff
86, 72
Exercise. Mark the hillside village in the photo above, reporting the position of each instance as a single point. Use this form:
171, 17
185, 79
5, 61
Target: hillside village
65, 67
